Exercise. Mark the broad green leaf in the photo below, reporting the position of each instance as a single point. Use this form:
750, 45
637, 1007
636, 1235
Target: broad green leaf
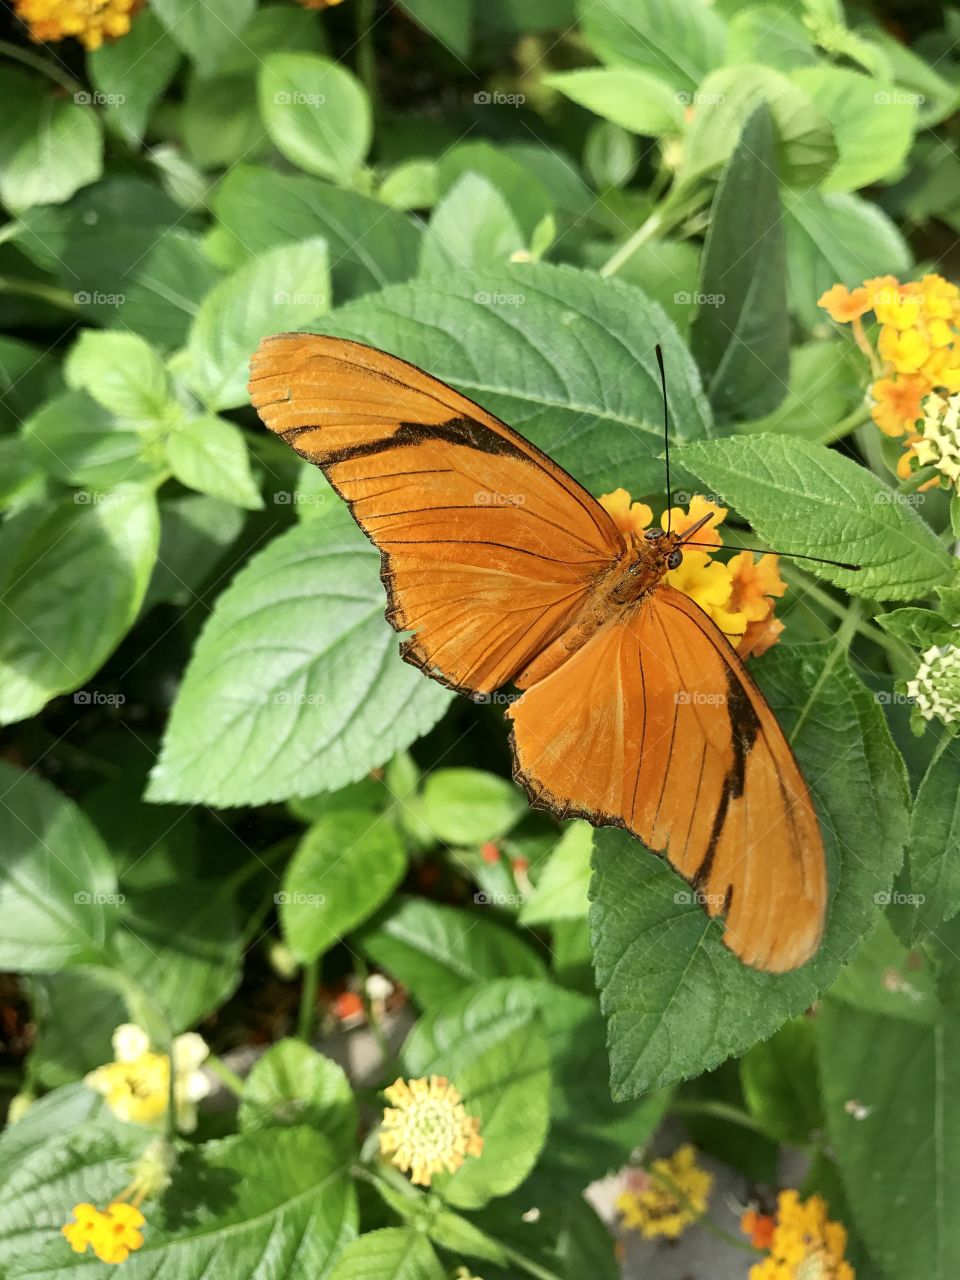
22, 482
210, 454
805, 145
472, 226
779, 1079
884, 977
284, 288
873, 124
28, 374
389, 1253
771, 35
122, 372
412, 184
220, 120
836, 238
469, 806
561, 892
75, 439
50, 146
919, 627
678, 40
181, 943
316, 112
824, 390
272, 1202
636, 100
934, 849
667, 270
610, 157
76, 1011
804, 498
526, 191
898, 1145
51, 1119
313, 603
489, 1041
369, 246
346, 866
435, 950
449, 21
293, 1084
73, 577
204, 31
129, 75
195, 533
677, 1002
575, 362
58, 892
741, 331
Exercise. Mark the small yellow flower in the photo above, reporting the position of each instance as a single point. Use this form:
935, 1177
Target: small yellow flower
631, 518
137, 1084
905, 349
665, 1200
112, 1234
804, 1244
90, 21
844, 305
680, 521
427, 1129
895, 404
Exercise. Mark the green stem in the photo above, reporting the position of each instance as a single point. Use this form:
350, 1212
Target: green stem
845, 634
717, 1110
37, 289
308, 1000
894, 647
649, 231
527, 1264
261, 862
914, 481
34, 60
225, 1074
9, 232
366, 55
857, 417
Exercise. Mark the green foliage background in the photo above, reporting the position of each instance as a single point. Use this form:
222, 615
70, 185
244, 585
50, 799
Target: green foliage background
211, 744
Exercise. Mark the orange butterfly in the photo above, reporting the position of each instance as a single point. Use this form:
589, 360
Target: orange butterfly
637, 711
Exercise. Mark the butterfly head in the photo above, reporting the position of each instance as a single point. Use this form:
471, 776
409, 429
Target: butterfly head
667, 548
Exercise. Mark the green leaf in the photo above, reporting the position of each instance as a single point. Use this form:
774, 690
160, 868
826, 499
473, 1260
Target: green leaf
284, 288
122, 372
801, 497
346, 866
50, 147
934, 864
313, 602
74, 575
28, 374
195, 532
900, 1162
779, 1079
75, 1011
677, 1002
278, 1194
472, 226
805, 146
205, 31
489, 1041
58, 892
636, 100
836, 238
469, 806
824, 389
575, 369
610, 157
317, 114
449, 21
873, 123
293, 1084
919, 627
412, 184
886, 978
435, 950
678, 40
129, 75
210, 454
369, 246
741, 332
524, 186
390, 1253
561, 892
75, 439
770, 35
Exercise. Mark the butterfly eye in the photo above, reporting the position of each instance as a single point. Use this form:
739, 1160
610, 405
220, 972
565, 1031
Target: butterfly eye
675, 559
651, 535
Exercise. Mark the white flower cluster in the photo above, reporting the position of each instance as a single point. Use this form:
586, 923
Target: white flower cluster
939, 445
936, 687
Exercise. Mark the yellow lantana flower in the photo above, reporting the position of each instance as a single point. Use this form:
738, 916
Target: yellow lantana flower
112, 1234
631, 518
665, 1200
136, 1084
427, 1129
804, 1244
90, 21
842, 305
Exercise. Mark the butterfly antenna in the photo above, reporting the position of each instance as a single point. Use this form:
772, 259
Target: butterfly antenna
792, 555
666, 434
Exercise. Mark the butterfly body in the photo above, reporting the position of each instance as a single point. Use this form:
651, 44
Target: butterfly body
500, 568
